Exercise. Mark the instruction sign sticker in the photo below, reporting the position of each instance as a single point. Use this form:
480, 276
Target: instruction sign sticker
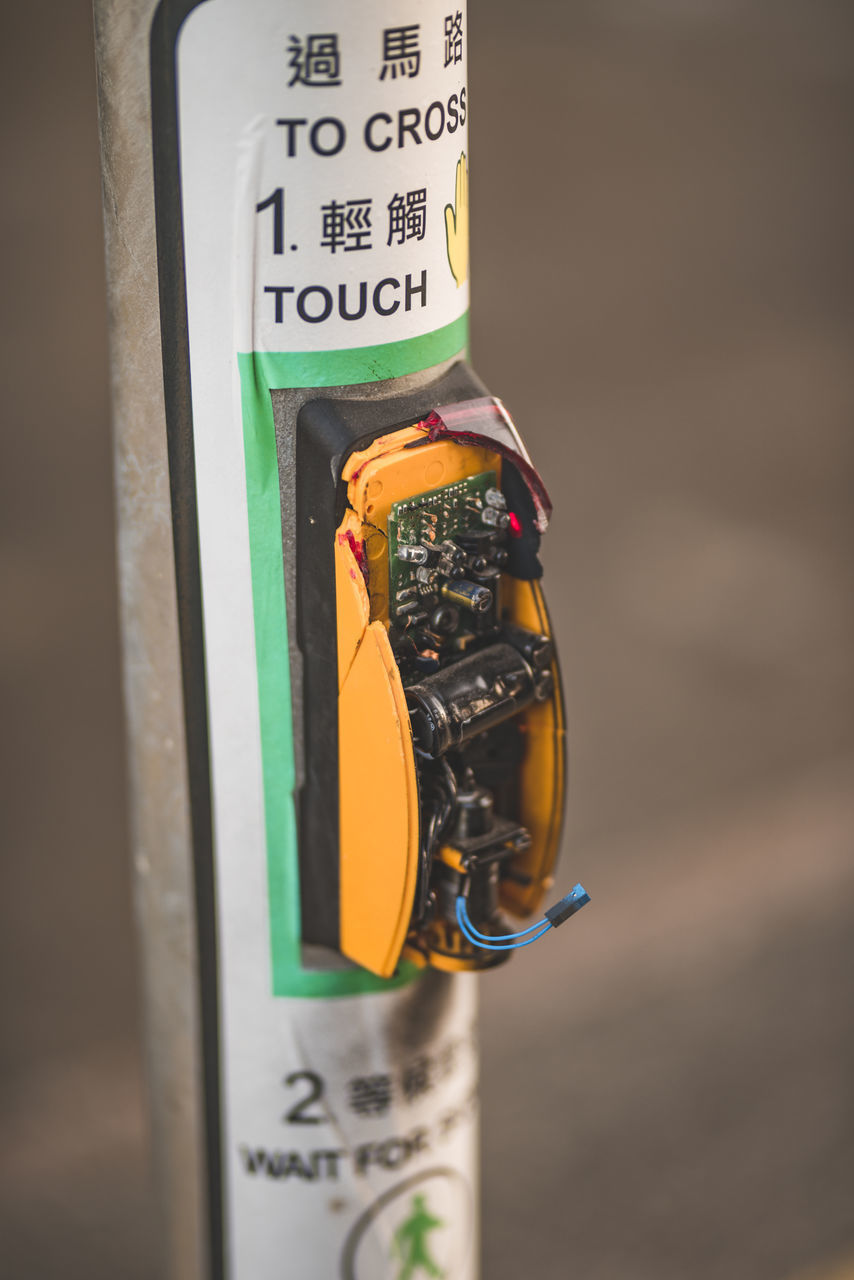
326, 146
357, 1159
323, 164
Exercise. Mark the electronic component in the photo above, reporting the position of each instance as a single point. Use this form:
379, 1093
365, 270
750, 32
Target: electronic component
470, 696
444, 747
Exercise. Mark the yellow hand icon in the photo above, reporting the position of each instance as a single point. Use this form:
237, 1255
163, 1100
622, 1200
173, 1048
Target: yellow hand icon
457, 225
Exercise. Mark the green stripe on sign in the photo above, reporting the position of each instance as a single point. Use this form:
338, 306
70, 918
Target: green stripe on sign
260, 373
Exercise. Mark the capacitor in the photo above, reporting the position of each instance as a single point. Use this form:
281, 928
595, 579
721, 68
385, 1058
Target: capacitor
536, 649
468, 594
493, 516
469, 696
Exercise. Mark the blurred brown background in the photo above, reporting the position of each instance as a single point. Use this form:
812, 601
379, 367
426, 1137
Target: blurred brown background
663, 197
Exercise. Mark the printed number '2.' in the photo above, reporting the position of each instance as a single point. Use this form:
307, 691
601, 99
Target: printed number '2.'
297, 1113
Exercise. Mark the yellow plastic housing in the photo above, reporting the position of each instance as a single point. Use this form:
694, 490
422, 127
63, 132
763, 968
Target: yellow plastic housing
379, 815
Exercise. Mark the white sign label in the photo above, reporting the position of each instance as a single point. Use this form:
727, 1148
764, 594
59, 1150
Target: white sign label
324, 192
350, 1146
327, 158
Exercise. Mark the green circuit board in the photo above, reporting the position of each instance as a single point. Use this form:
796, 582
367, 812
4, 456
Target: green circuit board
428, 519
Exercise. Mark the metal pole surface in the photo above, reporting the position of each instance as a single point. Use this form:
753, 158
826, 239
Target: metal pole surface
286, 210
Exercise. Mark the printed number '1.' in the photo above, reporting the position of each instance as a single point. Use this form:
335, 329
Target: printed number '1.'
297, 1113
276, 202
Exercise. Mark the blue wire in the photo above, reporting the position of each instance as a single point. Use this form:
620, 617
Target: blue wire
502, 946
501, 937
479, 941
462, 906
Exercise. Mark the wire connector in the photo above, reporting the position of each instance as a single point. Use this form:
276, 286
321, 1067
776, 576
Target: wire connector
574, 901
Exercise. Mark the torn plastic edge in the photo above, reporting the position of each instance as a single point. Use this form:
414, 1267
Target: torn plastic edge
487, 423
357, 547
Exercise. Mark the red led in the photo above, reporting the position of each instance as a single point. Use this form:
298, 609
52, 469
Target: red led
515, 526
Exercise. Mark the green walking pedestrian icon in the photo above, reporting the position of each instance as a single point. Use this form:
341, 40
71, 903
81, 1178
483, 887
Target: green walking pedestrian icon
410, 1242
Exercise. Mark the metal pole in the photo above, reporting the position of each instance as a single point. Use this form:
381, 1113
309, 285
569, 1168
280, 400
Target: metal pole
286, 209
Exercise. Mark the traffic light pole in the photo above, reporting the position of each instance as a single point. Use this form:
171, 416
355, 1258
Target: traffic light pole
286, 211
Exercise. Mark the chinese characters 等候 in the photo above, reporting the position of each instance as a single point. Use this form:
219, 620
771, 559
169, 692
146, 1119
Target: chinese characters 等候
370, 1095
